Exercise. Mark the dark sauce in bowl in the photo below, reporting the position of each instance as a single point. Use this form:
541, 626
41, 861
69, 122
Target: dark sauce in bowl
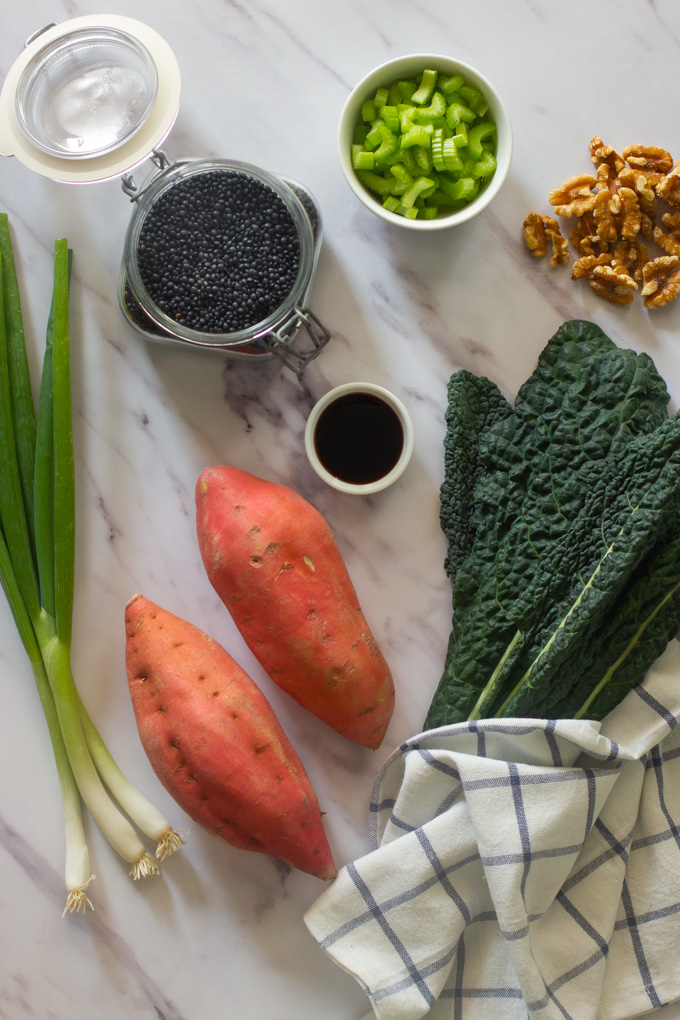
359, 438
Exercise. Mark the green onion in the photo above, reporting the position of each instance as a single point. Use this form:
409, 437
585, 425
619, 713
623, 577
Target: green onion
37, 559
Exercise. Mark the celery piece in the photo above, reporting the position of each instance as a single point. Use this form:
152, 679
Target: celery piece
362, 159
458, 112
406, 113
423, 158
380, 98
437, 150
461, 136
403, 179
476, 136
451, 156
359, 136
428, 212
485, 166
436, 109
411, 213
450, 83
407, 88
388, 142
390, 117
373, 137
409, 161
391, 203
473, 97
419, 185
416, 135
438, 198
394, 97
426, 87
374, 182
368, 110
462, 190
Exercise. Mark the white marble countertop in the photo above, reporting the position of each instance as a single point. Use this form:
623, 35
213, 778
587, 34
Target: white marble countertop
220, 933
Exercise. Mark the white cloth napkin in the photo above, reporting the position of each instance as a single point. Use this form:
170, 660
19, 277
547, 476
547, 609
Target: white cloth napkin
521, 867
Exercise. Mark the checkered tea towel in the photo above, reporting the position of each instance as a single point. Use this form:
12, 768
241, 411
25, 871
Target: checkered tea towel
521, 868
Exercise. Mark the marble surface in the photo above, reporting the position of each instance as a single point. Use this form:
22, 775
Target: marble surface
220, 933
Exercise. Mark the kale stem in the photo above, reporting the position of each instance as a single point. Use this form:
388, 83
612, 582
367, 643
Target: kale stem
626, 652
492, 682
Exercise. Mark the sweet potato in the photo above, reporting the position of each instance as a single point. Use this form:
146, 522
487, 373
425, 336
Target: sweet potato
273, 561
215, 744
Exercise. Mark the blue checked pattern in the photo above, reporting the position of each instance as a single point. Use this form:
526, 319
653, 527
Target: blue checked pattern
521, 868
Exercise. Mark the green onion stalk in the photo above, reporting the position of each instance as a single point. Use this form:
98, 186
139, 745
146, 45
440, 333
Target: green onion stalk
37, 560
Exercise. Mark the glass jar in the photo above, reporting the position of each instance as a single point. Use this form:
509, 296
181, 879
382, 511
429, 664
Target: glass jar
47, 126
290, 331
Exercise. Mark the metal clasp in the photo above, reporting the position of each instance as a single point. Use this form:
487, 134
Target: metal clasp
280, 340
160, 160
36, 35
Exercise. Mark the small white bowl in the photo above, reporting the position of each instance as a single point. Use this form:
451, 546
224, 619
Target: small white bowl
409, 66
348, 389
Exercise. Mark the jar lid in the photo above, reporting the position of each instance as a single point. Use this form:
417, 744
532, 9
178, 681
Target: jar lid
89, 99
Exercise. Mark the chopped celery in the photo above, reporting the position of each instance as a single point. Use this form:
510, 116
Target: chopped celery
420, 185
477, 134
391, 203
437, 150
390, 117
388, 142
409, 161
457, 112
462, 190
368, 110
425, 88
406, 113
416, 135
403, 179
474, 99
423, 158
436, 109
425, 145
394, 97
375, 182
451, 156
407, 88
461, 135
485, 166
450, 83
362, 159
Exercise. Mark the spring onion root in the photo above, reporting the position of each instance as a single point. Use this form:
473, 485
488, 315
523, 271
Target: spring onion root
37, 557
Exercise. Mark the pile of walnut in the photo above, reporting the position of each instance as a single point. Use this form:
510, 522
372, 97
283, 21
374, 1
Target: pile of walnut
616, 212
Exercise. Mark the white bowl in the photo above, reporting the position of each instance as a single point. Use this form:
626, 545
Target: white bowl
409, 66
347, 389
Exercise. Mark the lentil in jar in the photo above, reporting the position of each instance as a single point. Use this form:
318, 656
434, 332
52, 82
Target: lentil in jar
218, 251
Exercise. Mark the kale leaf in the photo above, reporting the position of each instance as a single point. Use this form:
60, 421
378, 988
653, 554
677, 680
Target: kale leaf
585, 461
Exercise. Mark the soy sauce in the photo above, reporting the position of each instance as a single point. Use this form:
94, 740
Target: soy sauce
359, 438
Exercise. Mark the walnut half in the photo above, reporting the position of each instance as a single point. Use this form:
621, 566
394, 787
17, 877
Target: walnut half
538, 232
661, 281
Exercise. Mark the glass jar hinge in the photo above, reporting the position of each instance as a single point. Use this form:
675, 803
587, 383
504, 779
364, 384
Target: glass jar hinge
160, 160
280, 340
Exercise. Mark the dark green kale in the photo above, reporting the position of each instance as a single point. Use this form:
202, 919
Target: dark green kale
564, 500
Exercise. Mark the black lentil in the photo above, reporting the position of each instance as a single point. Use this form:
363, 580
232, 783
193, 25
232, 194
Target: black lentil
218, 251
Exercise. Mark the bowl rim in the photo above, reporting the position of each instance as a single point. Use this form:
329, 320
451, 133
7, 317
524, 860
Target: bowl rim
501, 118
368, 488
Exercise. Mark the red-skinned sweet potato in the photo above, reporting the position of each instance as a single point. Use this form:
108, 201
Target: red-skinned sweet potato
215, 743
275, 564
